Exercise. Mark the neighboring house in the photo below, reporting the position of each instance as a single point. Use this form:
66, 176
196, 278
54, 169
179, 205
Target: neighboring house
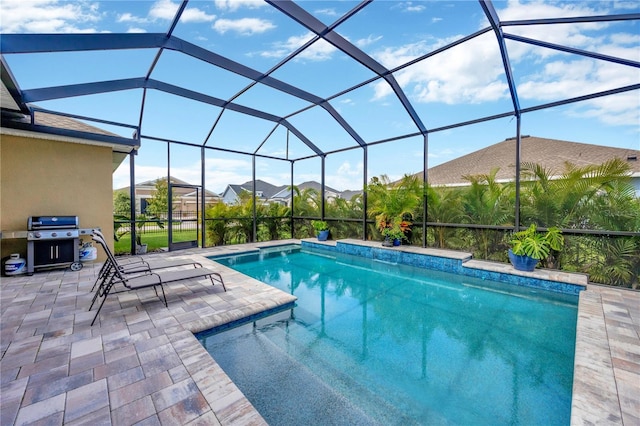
268, 193
184, 199
264, 191
552, 154
284, 196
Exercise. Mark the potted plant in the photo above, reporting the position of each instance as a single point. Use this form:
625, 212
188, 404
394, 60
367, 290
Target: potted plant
393, 236
529, 246
322, 229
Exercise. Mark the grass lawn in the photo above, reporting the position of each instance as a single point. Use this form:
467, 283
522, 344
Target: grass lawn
154, 240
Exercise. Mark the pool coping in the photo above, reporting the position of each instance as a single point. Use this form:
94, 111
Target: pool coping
143, 362
457, 262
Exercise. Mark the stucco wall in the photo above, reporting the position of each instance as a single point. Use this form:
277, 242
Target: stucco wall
43, 177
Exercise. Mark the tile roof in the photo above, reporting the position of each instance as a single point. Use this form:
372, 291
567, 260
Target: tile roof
551, 153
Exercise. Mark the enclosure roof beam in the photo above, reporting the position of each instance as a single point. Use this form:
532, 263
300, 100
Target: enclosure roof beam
301, 16
574, 20
494, 20
48, 93
568, 49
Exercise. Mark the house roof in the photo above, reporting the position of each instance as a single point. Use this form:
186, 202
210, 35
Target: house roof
285, 193
268, 190
182, 192
70, 130
551, 153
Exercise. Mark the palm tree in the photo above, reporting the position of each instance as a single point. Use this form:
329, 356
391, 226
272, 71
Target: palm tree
275, 222
216, 224
443, 206
487, 202
393, 203
588, 197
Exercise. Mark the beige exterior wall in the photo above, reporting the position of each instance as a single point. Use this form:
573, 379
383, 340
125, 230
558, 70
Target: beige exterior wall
44, 177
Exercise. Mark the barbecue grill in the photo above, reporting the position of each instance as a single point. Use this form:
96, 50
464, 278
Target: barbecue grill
52, 241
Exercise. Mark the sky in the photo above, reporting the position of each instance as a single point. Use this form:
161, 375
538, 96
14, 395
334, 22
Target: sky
464, 83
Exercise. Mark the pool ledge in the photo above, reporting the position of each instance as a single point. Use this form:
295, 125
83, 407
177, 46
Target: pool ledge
457, 262
541, 274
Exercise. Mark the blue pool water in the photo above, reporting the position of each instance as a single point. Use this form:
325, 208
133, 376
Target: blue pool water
374, 343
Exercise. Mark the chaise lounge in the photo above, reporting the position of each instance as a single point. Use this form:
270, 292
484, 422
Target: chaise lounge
140, 277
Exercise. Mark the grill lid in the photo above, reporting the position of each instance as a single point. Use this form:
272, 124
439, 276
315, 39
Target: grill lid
52, 222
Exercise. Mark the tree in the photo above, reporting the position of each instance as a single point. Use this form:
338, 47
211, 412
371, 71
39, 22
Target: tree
393, 203
487, 202
158, 204
121, 203
443, 206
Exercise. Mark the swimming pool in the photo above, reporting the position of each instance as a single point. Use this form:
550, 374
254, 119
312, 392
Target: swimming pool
376, 343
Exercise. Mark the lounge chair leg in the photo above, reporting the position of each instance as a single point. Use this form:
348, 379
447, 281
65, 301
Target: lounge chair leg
99, 308
163, 295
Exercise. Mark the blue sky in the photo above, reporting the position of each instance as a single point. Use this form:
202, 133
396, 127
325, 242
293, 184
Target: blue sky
464, 83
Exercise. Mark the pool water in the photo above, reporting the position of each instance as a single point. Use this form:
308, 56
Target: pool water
375, 343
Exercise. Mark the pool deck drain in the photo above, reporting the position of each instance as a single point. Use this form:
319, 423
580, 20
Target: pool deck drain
141, 362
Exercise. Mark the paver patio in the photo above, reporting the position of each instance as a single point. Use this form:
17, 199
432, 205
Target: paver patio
141, 364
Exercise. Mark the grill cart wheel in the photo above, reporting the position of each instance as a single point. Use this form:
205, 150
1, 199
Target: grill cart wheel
76, 266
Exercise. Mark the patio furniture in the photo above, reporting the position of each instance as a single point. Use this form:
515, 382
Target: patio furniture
143, 279
137, 264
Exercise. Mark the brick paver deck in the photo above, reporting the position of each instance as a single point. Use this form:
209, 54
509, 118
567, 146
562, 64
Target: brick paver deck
140, 362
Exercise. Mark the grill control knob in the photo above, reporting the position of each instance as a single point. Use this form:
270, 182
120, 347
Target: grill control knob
69, 234
37, 235
54, 234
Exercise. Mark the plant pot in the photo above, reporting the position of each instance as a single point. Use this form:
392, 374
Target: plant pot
141, 249
396, 242
522, 263
387, 242
323, 235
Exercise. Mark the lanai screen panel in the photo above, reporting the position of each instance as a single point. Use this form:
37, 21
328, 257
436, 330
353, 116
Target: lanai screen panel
176, 118
375, 117
182, 70
270, 100
224, 168
462, 151
323, 70
395, 159
322, 129
345, 170
239, 132
463, 83
65, 68
386, 30
250, 33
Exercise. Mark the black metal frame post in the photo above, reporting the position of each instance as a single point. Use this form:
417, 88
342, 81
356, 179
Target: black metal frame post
425, 183
132, 199
365, 180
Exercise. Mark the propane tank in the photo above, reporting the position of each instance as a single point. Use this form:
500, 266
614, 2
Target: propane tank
15, 265
87, 252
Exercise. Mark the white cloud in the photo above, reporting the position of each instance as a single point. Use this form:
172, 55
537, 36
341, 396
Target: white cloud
166, 10
244, 26
48, 16
327, 12
127, 17
233, 5
163, 9
471, 73
134, 30
364, 42
318, 51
